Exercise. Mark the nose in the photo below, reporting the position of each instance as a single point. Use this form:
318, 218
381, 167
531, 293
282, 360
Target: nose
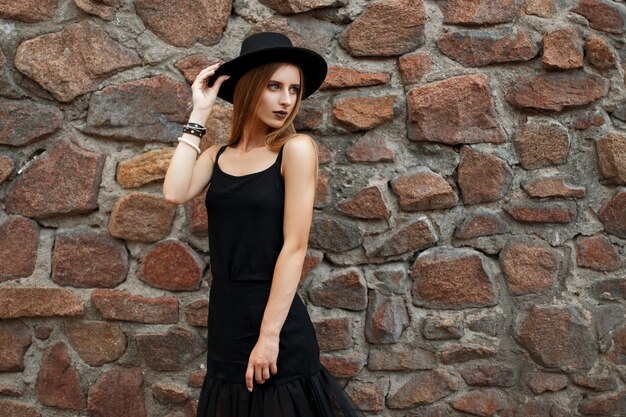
285, 97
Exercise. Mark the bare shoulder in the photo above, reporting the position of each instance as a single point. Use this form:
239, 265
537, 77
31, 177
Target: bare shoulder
300, 146
210, 154
299, 156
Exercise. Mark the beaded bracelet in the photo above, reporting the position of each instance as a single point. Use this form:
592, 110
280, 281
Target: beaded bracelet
188, 142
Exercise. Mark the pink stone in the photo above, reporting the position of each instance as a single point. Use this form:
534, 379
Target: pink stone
529, 267
340, 77
451, 278
369, 34
363, 113
171, 265
478, 12
482, 177
84, 258
58, 383
602, 15
557, 90
366, 204
64, 180
74, 60
422, 189
19, 239
480, 48
562, 49
120, 305
26, 301
118, 391
598, 253
372, 147
613, 214
186, 22
21, 128
457, 110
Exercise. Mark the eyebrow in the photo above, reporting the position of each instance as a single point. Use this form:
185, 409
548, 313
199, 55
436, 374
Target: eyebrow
276, 81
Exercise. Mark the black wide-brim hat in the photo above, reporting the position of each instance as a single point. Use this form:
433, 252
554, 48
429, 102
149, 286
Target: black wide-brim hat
263, 48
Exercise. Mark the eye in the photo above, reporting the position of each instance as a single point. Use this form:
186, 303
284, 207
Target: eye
272, 85
295, 90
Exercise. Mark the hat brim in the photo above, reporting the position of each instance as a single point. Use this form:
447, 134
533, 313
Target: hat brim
313, 66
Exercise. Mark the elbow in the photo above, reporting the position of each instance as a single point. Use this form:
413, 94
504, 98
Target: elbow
172, 198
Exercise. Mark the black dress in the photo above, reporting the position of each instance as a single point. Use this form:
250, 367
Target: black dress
245, 237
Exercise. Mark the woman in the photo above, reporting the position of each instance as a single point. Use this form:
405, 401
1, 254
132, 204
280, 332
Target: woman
263, 355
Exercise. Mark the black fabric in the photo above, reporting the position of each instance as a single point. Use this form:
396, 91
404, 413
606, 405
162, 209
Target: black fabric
245, 236
245, 222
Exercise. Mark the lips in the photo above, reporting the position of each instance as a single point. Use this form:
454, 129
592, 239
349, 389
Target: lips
281, 113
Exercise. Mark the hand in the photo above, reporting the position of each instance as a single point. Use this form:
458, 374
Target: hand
203, 96
262, 360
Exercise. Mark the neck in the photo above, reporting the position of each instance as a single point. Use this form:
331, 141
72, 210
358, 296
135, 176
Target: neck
253, 137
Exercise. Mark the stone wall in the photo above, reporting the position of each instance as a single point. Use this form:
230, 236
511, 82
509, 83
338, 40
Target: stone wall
468, 250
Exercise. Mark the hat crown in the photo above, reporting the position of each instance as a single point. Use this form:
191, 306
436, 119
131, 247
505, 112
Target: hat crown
264, 40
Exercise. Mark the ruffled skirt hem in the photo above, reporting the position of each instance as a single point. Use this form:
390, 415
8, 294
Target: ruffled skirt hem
318, 395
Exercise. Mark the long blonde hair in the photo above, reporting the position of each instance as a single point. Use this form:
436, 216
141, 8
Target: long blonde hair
246, 100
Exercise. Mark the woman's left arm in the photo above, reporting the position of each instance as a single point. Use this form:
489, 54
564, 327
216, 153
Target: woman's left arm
300, 165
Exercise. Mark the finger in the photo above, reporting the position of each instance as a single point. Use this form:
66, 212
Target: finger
205, 73
221, 79
249, 373
203, 81
212, 66
274, 368
266, 372
258, 372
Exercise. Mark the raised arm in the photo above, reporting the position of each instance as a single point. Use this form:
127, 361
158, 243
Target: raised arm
186, 177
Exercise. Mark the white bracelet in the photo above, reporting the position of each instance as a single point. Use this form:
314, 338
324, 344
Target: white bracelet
188, 142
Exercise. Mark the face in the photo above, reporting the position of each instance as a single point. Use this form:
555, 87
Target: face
279, 96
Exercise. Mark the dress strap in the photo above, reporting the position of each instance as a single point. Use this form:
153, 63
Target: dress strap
222, 149
280, 152
279, 158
